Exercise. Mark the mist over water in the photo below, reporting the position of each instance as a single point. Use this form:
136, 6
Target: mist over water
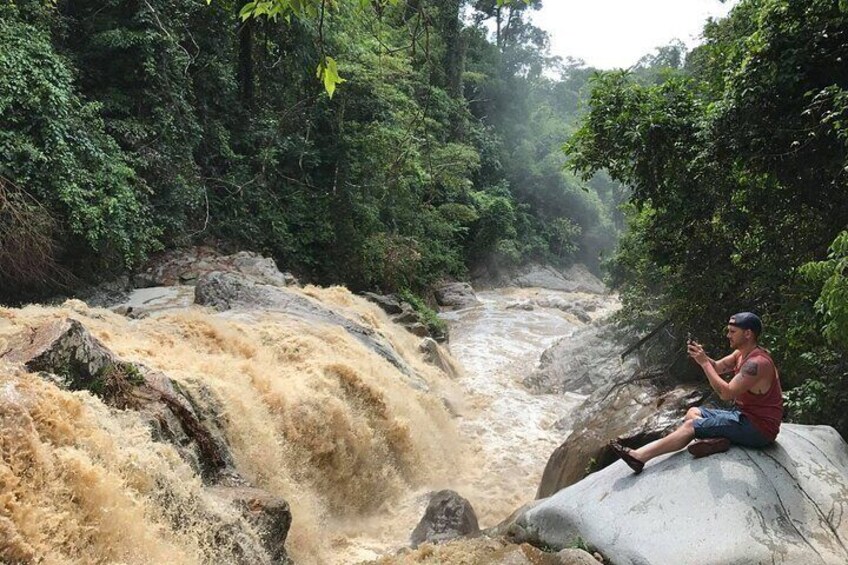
310, 415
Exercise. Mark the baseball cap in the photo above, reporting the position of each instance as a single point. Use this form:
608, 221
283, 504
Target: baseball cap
747, 321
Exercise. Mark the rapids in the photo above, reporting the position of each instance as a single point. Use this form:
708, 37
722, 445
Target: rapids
499, 346
309, 414
509, 433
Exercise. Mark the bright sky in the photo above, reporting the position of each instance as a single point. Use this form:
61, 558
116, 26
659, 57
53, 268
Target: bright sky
616, 33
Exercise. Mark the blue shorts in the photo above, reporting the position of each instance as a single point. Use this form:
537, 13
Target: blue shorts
731, 424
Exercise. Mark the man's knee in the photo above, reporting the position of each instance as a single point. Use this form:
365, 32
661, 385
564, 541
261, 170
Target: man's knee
688, 427
692, 414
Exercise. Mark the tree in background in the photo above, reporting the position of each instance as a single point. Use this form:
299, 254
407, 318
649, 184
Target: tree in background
167, 122
737, 165
70, 200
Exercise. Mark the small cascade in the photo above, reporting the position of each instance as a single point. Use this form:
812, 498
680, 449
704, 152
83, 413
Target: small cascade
306, 411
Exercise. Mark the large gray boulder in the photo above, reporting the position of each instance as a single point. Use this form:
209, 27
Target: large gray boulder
187, 266
584, 362
635, 400
635, 413
782, 504
456, 295
576, 278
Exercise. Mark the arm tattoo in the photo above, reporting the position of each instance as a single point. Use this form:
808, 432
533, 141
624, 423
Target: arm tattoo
750, 368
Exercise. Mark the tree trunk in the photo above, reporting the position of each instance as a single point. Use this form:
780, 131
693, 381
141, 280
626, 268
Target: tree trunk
245, 64
454, 57
498, 27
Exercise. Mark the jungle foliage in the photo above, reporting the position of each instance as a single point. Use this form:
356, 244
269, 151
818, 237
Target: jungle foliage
738, 165
131, 126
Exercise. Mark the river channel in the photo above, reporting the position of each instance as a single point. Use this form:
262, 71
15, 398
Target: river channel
508, 431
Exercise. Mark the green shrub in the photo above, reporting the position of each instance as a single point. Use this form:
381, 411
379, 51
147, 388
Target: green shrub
438, 328
55, 150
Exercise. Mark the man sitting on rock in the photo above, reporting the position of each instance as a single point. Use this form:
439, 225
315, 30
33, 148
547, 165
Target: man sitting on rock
755, 388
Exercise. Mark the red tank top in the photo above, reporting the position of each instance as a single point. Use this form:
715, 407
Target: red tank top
764, 410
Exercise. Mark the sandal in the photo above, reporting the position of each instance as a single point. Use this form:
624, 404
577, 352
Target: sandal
625, 455
708, 446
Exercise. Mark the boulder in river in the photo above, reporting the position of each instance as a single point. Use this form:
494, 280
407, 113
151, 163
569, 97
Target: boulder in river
434, 355
576, 278
781, 504
65, 349
269, 515
407, 315
456, 295
389, 303
525, 305
448, 516
576, 305
584, 362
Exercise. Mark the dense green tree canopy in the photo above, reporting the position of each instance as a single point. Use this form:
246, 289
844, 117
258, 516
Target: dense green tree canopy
128, 127
738, 165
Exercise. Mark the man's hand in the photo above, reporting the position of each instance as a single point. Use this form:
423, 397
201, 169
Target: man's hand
696, 352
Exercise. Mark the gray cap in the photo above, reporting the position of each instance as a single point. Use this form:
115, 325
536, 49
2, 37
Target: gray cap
747, 321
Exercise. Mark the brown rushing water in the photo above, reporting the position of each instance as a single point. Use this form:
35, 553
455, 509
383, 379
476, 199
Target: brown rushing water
80, 482
507, 433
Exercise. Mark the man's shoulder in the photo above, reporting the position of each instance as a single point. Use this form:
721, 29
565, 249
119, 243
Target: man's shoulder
761, 354
763, 360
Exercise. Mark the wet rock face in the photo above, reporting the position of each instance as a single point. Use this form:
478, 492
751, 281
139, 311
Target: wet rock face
225, 291
636, 400
389, 303
434, 355
634, 413
143, 302
456, 295
583, 362
576, 278
66, 349
448, 516
402, 313
781, 504
268, 514
68, 355
578, 307
187, 267
168, 280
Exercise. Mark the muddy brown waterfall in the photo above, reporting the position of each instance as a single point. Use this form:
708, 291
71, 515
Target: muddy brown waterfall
350, 437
